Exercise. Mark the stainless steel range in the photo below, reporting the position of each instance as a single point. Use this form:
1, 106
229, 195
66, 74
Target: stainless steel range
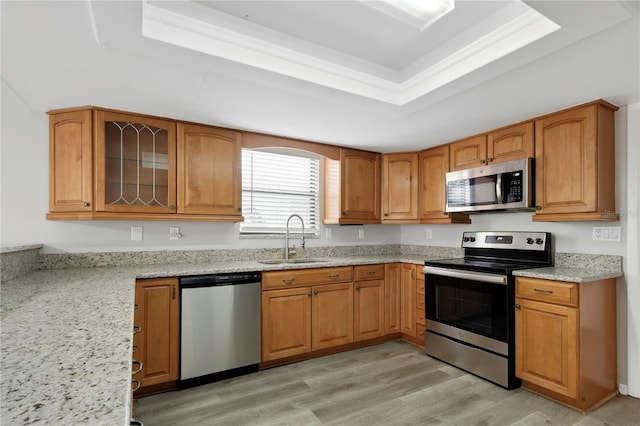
469, 304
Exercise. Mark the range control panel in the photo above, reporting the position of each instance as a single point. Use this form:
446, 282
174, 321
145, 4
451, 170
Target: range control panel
512, 240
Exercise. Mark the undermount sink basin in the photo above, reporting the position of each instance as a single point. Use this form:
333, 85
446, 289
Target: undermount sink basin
296, 260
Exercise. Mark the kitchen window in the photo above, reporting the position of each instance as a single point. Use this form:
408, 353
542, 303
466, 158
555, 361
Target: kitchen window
275, 186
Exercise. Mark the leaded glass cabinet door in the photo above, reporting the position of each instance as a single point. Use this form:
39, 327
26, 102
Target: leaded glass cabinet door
136, 163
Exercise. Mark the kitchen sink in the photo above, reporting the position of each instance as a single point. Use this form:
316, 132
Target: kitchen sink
295, 260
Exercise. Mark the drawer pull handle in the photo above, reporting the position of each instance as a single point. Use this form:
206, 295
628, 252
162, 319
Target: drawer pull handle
334, 276
136, 306
140, 366
543, 291
137, 385
136, 348
371, 273
137, 329
288, 281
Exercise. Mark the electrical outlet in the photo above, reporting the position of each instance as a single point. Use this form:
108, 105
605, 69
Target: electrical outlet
136, 233
361, 233
328, 232
606, 233
429, 234
174, 233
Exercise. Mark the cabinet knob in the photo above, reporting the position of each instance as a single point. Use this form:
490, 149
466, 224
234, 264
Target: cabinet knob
386, 214
137, 329
86, 204
358, 287
483, 161
172, 207
538, 207
490, 159
315, 292
309, 293
517, 306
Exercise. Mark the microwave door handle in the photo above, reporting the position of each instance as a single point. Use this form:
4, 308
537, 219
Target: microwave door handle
499, 188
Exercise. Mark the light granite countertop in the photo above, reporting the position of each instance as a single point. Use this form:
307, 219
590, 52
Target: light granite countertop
66, 335
568, 274
66, 338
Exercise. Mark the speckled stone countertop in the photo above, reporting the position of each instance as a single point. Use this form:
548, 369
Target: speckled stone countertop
66, 337
563, 273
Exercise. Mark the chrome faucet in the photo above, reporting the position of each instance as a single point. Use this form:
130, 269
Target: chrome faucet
288, 251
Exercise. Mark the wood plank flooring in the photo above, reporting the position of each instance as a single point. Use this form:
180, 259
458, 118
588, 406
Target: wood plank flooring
394, 383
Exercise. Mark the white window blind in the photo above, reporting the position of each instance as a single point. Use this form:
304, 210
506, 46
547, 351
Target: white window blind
275, 186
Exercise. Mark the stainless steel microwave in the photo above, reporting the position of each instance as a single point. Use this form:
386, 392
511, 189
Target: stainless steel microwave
500, 186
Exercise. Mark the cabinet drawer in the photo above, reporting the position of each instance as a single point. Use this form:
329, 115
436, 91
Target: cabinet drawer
420, 316
547, 291
420, 330
368, 272
305, 277
420, 302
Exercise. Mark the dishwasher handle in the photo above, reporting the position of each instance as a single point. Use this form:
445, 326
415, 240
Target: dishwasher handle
212, 280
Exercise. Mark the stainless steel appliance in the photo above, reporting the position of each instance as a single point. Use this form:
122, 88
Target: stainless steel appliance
500, 186
220, 327
469, 302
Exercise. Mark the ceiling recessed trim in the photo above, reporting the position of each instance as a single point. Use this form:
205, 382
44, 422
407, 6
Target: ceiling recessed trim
417, 13
189, 28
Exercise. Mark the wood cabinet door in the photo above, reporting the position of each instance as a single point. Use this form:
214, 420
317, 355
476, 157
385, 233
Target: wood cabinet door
400, 186
566, 162
331, 315
511, 143
467, 153
368, 304
360, 186
158, 341
408, 300
286, 323
135, 163
392, 284
70, 162
547, 346
209, 170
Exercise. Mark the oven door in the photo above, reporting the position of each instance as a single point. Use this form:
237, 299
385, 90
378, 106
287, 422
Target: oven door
476, 302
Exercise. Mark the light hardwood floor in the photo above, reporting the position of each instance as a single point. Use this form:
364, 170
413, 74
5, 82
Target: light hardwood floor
389, 384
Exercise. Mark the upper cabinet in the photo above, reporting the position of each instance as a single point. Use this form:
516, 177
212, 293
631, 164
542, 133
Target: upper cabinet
209, 171
467, 153
400, 188
575, 164
352, 188
135, 163
107, 164
433, 165
509, 143
71, 162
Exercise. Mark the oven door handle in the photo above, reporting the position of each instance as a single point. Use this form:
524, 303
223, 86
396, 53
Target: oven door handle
465, 275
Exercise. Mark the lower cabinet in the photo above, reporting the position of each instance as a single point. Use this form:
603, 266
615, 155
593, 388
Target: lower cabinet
566, 340
408, 301
368, 302
392, 286
156, 339
308, 310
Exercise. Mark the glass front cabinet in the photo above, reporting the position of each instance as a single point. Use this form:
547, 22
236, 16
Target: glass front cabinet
135, 163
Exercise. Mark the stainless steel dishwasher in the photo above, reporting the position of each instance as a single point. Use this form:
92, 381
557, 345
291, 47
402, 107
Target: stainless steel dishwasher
220, 327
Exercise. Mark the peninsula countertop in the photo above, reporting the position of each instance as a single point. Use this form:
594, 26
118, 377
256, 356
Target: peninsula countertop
67, 335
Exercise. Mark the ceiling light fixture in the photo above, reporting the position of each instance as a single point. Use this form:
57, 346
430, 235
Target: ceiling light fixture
419, 13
